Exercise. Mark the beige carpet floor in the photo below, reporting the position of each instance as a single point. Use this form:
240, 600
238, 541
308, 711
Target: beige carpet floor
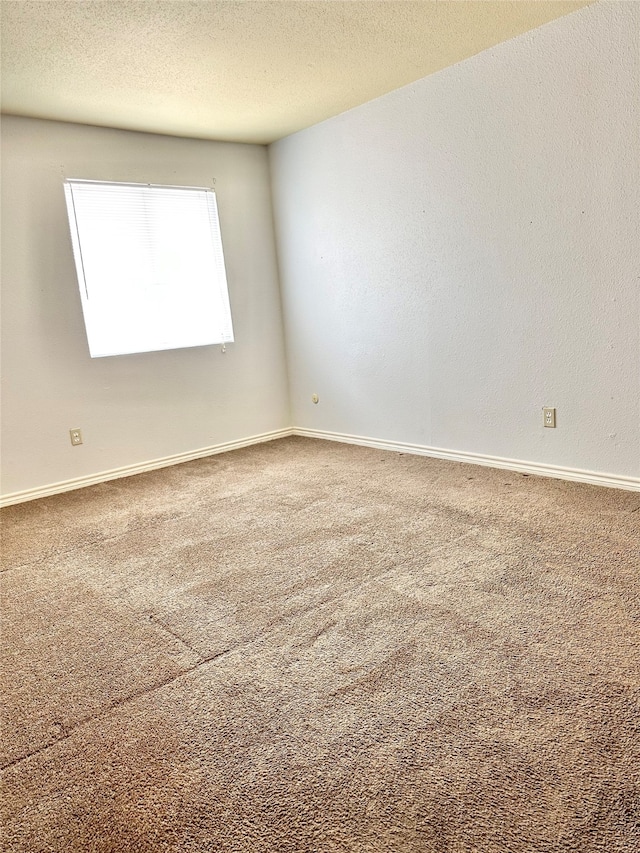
310, 647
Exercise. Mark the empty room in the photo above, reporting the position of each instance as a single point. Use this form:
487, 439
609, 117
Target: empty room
320, 426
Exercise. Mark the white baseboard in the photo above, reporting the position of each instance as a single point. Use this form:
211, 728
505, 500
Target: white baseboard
138, 468
595, 478
558, 472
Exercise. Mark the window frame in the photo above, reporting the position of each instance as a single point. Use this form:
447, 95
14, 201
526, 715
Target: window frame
189, 304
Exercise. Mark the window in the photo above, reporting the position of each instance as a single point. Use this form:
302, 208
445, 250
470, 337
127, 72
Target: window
150, 266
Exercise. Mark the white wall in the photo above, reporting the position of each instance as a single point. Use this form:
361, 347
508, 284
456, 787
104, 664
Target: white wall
138, 407
463, 251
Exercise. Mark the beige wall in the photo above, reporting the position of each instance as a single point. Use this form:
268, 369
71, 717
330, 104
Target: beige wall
134, 408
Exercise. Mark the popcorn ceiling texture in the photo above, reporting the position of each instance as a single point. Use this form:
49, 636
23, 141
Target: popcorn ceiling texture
238, 71
308, 647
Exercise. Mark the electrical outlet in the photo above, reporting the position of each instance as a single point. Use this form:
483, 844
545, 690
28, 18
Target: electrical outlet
76, 436
549, 415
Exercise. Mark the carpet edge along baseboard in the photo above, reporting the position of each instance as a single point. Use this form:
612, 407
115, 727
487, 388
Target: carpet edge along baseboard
558, 472
594, 478
138, 468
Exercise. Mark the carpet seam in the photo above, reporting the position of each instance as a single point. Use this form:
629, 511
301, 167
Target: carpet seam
148, 690
171, 632
108, 708
202, 660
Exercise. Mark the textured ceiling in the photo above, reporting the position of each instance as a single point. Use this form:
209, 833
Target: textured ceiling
245, 71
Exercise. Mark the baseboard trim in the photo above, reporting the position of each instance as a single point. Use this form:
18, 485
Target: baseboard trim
595, 478
138, 468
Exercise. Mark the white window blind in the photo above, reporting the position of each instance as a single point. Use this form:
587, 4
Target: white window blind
150, 266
